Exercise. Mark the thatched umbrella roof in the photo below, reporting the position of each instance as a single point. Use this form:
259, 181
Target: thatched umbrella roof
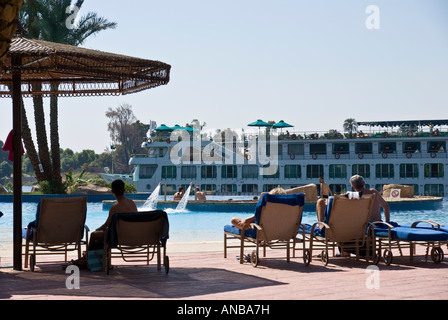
78, 71
64, 70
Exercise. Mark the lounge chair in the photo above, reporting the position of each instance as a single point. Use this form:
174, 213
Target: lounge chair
59, 227
137, 237
277, 221
426, 233
346, 227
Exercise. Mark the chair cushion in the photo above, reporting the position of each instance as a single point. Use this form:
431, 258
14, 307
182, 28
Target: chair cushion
251, 233
412, 234
425, 225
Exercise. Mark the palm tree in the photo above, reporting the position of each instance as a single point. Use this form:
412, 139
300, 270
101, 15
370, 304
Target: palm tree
350, 125
47, 20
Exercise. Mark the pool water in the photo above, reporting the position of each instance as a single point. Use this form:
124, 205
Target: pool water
196, 226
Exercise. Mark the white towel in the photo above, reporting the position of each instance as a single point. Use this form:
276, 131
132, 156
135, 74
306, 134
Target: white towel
352, 195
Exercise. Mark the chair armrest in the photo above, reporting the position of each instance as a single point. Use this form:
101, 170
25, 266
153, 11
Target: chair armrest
254, 225
319, 223
377, 223
432, 223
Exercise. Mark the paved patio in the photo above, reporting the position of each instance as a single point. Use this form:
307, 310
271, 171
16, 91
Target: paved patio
205, 275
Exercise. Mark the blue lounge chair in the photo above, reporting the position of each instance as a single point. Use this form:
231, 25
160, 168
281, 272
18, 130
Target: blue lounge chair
346, 226
277, 221
426, 233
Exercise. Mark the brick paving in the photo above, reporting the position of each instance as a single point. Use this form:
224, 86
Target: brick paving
206, 275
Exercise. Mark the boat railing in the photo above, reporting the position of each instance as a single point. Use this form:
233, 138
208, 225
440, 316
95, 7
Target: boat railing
364, 156
320, 135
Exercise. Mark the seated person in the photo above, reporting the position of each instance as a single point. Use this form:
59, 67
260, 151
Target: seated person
359, 185
200, 195
123, 204
179, 194
244, 224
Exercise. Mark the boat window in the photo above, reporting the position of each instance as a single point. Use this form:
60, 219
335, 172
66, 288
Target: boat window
296, 149
434, 190
411, 147
169, 172
229, 172
338, 171
341, 148
146, 172
228, 188
363, 147
314, 171
250, 171
208, 188
269, 187
434, 170
436, 146
188, 172
408, 170
293, 171
208, 172
387, 147
318, 148
249, 188
384, 170
361, 169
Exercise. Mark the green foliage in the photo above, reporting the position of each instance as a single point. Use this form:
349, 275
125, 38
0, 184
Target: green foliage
51, 187
5, 169
128, 188
9, 187
72, 183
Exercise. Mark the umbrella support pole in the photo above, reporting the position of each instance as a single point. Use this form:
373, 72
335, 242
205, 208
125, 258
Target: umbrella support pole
17, 162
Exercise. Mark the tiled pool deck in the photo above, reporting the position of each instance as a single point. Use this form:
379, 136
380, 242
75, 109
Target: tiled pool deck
200, 272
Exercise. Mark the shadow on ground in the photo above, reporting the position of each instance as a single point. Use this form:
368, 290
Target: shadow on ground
129, 282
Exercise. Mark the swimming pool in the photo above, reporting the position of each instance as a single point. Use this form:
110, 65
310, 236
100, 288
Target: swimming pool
200, 226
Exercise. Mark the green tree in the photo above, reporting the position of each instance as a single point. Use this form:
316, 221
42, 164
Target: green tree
85, 157
350, 125
127, 134
68, 160
5, 169
103, 160
47, 20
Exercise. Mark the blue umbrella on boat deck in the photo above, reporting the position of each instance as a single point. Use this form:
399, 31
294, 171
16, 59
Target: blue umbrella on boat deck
259, 123
163, 127
282, 124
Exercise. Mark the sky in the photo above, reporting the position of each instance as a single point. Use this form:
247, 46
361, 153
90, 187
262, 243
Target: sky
312, 64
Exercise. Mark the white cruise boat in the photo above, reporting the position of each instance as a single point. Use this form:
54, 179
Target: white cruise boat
387, 152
